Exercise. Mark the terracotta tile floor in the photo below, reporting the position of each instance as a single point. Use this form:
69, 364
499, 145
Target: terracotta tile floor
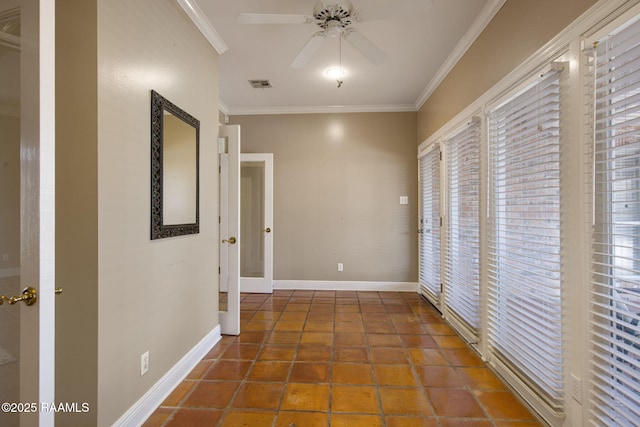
320, 358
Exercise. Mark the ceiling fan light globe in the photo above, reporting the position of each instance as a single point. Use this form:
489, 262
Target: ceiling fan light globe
335, 72
334, 29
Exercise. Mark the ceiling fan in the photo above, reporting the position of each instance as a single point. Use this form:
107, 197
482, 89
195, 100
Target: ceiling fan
335, 20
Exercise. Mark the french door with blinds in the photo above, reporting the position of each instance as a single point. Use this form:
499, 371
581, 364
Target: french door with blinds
524, 306
429, 231
462, 232
614, 309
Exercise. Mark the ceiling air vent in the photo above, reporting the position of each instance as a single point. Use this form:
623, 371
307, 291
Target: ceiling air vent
260, 84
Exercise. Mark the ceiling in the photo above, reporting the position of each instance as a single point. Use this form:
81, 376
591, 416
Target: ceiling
422, 40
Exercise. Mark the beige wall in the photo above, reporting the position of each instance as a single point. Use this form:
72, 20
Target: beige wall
338, 179
518, 30
76, 208
124, 294
9, 191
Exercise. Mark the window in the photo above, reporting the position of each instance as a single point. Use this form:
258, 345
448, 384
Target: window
430, 222
615, 257
525, 318
462, 258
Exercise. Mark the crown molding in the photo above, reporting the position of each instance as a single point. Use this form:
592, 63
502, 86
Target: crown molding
252, 111
486, 15
222, 107
204, 25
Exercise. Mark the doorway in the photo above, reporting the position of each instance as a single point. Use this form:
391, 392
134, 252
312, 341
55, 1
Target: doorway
10, 209
256, 223
27, 191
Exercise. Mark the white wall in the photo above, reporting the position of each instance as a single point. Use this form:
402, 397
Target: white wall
130, 297
144, 45
338, 179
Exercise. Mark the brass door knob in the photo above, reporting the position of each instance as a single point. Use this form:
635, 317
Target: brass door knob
267, 230
231, 241
29, 296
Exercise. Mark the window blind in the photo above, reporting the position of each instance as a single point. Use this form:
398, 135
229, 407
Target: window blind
429, 231
525, 316
614, 308
462, 254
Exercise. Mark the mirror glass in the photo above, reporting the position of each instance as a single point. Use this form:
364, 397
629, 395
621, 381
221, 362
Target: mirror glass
175, 138
179, 173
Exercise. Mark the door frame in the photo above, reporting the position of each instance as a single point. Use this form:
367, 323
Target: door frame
263, 284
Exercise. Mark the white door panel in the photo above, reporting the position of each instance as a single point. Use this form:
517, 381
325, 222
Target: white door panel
230, 230
28, 148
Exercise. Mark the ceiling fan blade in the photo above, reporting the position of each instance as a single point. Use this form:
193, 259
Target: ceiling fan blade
273, 18
309, 49
365, 46
393, 10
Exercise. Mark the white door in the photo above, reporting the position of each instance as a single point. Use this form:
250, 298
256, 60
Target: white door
28, 145
430, 224
229, 144
256, 223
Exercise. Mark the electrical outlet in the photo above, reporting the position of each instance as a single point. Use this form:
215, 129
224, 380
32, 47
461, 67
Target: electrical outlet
144, 363
340, 266
576, 388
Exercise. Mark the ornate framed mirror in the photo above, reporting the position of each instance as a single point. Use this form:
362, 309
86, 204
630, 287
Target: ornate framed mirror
175, 187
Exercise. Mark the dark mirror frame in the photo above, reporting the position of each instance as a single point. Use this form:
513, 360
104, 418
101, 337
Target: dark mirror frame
159, 230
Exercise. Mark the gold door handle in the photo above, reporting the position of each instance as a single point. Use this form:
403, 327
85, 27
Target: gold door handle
29, 296
231, 241
267, 230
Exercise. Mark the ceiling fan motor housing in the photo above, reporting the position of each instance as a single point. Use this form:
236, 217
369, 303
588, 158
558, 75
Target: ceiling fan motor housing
329, 15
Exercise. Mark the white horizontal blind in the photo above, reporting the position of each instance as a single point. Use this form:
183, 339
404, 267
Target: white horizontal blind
462, 255
525, 313
615, 258
429, 231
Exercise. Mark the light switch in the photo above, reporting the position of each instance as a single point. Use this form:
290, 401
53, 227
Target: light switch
404, 200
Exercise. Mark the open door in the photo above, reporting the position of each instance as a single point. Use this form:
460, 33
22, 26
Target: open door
256, 223
229, 152
27, 197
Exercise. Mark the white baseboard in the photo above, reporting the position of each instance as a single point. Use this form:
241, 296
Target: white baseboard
9, 272
147, 404
329, 285
254, 285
